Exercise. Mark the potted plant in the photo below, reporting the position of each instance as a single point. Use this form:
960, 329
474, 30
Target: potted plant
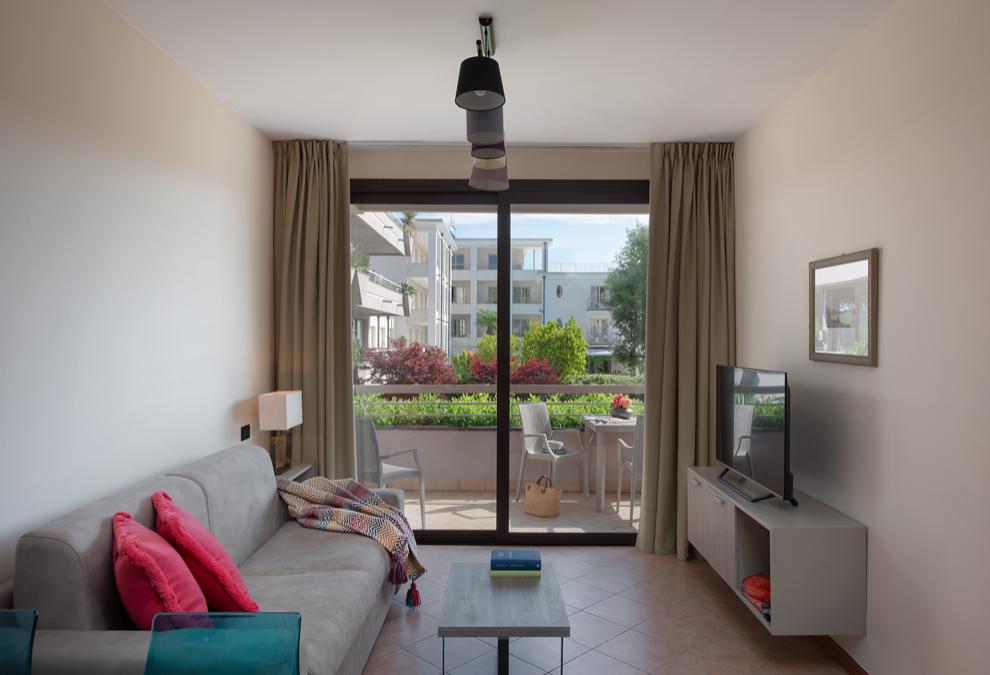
621, 406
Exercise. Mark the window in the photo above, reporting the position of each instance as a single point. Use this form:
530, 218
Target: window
458, 294
458, 328
492, 261
493, 294
560, 291
520, 326
599, 331
599, 298
520, 295
457, 262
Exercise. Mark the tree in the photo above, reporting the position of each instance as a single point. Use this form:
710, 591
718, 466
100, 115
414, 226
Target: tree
359, 258
563, 347
487, 319
488, 346
626, 285
410, 364
408, 221
533, 371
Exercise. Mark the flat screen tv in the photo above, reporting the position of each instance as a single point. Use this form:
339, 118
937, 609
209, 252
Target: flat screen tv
752, 438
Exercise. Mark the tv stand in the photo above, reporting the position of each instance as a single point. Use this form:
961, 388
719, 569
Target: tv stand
815, 556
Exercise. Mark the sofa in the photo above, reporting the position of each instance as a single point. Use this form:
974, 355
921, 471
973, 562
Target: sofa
335, 581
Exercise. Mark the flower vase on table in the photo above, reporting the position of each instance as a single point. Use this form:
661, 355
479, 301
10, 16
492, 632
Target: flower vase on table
621, 407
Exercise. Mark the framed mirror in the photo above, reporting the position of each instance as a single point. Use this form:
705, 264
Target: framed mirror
843, 304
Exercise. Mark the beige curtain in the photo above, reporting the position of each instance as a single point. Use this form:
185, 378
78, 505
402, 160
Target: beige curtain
313, 299
690, 326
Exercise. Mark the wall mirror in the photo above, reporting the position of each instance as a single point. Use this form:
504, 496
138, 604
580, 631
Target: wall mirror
843, 307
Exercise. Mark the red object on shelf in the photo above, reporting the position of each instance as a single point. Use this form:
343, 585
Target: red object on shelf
757, 587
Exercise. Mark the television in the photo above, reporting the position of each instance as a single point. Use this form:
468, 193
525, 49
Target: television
752, 435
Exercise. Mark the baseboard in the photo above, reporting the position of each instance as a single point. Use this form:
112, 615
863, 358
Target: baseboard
840, 655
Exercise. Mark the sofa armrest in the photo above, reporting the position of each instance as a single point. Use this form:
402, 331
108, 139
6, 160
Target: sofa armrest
392, 497
7, 594
109, 652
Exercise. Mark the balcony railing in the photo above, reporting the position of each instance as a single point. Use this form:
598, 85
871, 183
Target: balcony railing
473, 405
383, 281
571, 267
598, 338
598, 303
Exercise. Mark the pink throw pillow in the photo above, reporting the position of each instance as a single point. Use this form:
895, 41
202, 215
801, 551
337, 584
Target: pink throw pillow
151, 576
206, 557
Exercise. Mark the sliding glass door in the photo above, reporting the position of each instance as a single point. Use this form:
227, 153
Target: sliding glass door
466, 304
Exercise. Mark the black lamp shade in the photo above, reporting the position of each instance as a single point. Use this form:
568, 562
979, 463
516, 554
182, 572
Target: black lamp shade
484, 127
479, 84
493, 151
491, 175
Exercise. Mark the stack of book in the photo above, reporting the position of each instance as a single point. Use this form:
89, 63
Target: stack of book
516, 563
756, 588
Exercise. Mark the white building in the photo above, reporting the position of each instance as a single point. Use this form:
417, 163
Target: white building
474, 287
376, 300
426, 268
578, 290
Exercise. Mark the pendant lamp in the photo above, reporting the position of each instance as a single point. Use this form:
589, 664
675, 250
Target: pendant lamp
485, 127
491, 175
479, 84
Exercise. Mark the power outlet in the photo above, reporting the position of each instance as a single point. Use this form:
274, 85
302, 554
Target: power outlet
245, 432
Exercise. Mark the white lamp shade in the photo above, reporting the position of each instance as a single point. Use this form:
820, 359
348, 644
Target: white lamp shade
279, 410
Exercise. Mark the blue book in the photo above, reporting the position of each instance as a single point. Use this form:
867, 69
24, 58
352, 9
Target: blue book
520, 559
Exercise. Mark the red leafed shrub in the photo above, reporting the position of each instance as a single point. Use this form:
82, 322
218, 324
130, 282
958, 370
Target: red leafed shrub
482, 371
533, 371
410, 364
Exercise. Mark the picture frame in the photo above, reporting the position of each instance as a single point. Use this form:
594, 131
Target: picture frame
843, 308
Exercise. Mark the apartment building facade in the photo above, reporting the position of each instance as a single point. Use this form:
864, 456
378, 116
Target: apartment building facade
433, 287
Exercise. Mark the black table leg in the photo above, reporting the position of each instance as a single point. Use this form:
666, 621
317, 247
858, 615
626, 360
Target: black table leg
561, 656
503, 656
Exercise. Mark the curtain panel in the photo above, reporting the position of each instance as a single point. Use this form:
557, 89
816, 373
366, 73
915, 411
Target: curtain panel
690, 326
313, 300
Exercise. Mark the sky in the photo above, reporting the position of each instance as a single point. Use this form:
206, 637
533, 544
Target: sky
577, 237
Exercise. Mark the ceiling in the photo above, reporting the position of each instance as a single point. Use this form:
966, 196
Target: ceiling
576, 72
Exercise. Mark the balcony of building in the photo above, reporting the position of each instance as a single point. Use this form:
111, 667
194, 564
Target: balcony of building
453, 429
378, 233
374, 294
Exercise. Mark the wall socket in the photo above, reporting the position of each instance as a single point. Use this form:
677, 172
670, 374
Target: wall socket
245, 432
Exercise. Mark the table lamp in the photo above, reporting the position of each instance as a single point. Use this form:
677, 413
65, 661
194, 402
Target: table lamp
278, 412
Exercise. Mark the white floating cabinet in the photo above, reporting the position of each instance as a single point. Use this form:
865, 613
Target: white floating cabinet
815, 556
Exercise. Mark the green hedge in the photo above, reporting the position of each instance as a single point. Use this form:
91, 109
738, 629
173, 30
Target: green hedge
476, 410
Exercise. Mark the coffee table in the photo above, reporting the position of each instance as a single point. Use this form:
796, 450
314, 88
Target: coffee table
476, 605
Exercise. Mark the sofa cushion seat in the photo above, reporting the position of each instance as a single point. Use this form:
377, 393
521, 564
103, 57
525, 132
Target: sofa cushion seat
295, 549
333, 605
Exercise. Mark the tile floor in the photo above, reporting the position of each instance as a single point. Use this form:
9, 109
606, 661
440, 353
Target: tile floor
630, 613
476, 511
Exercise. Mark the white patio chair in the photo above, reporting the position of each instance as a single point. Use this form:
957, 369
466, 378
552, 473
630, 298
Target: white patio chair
630, 457
372, 466
538, 444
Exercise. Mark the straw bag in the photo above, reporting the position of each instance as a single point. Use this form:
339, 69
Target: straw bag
542, 499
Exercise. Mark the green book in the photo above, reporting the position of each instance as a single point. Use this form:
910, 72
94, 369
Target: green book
515, 573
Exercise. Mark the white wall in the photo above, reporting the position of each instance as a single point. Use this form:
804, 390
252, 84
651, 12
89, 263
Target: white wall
135, 263
888, 145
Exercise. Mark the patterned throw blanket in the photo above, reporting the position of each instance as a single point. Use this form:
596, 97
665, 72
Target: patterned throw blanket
347, 506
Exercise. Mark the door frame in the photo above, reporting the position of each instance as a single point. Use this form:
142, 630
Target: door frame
456, 192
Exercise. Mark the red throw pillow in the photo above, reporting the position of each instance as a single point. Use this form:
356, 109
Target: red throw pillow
151, 576
206, 557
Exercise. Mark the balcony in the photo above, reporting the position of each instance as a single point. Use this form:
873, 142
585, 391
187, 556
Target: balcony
377, 234
598, 338
374, 294
597, 304
453, 427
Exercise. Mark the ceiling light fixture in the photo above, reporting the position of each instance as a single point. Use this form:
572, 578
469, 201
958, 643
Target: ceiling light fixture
491, 175
479, 83
480, 92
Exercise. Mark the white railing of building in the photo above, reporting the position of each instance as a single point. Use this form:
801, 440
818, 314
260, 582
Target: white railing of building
573, 267
381, 280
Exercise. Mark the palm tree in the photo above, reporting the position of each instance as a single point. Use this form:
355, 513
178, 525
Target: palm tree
488, 320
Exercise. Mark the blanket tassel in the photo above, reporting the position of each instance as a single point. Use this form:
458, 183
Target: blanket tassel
412, 597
